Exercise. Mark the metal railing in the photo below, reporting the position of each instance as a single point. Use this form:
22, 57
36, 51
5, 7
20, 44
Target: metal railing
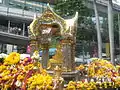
13, 30
3, 28
16, 12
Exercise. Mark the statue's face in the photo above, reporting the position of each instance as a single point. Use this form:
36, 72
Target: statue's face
50, 30
47, 32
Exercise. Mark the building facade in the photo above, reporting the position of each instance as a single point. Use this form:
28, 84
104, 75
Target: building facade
15, 17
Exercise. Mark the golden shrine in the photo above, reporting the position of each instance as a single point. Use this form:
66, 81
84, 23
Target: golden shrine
45, 28
49, 28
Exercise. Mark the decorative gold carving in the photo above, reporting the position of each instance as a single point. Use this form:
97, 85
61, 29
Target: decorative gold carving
58, 80
57, 59
49, 25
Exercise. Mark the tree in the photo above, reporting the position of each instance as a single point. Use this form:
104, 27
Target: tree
86, 28
116, 29
69, 8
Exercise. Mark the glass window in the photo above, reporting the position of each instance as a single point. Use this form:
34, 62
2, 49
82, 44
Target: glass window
19, 5
11, 3
1, 1
16, 4
37, 9
28, 7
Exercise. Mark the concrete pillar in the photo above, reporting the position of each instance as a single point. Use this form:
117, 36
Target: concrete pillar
23, 13
6, 2
111, 32
42, 8
1, 48
3, 1
8, 26
119, 28
45, 57
73, 56
67, 57
98, 30
23, 29
9, 48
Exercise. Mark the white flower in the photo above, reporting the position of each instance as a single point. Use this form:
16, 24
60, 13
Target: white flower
18, 83
23, 56
92, 80
36, 56
2, 55
35, 68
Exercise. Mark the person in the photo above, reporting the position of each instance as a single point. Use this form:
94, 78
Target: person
28, 49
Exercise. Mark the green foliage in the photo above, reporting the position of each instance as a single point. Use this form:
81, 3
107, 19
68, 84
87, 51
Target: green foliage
55, 41
1, 60
69, 7
86, 28
116, 29
105, 32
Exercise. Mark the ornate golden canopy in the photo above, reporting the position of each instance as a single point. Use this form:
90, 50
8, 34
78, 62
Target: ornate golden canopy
48, 18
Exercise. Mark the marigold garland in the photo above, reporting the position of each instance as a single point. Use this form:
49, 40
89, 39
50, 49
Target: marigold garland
28, 74
100, 74
25, 75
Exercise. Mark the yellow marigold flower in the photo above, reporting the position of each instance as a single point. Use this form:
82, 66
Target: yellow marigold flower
71, 88
2, 67
81, 67
6, 77
101, 68
20, 77
7, 86
44, 72
40, 81
12, 58
5, 72
30, 66
49, 87
14, 70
